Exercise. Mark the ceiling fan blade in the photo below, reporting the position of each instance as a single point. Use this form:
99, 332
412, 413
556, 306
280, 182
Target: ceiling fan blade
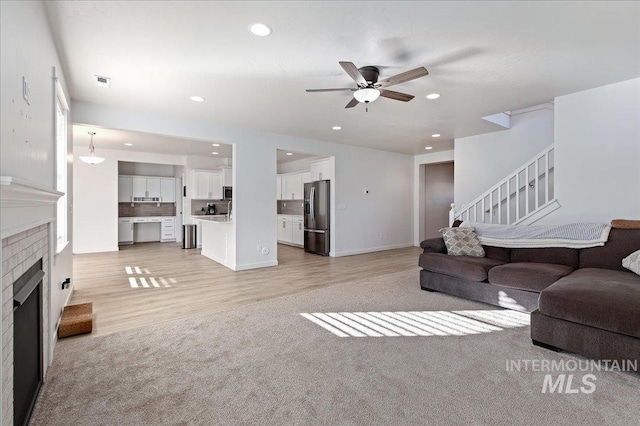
329, 90
353, 72
396, 95
353, 102
405, 76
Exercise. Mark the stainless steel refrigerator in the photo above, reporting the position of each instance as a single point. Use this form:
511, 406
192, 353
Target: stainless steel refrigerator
316, 217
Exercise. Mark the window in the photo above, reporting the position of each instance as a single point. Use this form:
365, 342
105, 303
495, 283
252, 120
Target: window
61, 168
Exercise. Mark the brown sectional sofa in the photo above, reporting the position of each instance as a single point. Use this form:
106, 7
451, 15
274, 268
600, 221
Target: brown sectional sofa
582, 300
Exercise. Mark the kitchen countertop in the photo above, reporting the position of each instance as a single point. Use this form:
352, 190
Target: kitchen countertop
216, 218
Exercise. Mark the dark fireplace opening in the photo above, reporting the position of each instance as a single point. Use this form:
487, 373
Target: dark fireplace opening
27, 342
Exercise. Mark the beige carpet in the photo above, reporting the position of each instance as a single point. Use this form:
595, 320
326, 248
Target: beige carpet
265, 364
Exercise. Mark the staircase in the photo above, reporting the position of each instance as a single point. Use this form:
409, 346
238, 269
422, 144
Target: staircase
522, 198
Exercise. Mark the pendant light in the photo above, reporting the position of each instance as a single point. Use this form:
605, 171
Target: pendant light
92, 158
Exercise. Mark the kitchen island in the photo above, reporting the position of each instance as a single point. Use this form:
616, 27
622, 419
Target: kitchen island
218, 239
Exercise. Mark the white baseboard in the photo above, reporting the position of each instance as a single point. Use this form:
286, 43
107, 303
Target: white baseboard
95, 250
372, 249
247, 266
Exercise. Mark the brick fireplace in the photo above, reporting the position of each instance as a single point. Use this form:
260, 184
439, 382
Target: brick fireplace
19, 253
27, 230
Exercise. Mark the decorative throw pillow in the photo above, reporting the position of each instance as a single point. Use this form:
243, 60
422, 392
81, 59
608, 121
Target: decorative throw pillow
462, 242
632, 262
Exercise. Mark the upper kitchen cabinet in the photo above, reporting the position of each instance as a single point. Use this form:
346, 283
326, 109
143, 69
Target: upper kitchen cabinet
292, 187
146, 187
322, 169
135, 188
125, 189
227, 176
306, 178
207, 185
168, 190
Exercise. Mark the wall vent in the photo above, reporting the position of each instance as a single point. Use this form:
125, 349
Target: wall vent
102, 81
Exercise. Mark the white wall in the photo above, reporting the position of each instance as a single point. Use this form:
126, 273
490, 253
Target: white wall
27, 148
386, 210
482, 161
95, 189
597, 154
145, 169
303, 164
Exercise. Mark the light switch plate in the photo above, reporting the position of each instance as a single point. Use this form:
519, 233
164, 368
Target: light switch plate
26, 90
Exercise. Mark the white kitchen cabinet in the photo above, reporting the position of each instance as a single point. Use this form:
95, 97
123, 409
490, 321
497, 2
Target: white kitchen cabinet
292, 188
207, 185
125, 189
146, 186
322, 170
168, 229
168, 190
291, 229
153, 187
297, 226
125, 230
227, 176
284, 229
279, 187
306, 178
139, 186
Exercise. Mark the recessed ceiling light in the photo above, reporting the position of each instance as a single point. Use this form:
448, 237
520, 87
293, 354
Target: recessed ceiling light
214, 153
433, 96
215, 144
260, 29
197, 98
289, 153
337, 128
128, 144
435, 135
428, 147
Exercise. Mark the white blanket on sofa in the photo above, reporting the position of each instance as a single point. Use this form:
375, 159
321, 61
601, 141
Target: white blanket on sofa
572, 235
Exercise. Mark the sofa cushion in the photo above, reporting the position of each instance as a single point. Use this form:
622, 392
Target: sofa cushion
465, 267
498, 253
556, 255
621, 243
600, 298
528, 276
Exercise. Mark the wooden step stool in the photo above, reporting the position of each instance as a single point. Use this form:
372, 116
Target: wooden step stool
76, 319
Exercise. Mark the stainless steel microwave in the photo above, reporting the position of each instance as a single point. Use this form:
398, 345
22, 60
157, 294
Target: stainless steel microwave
228, 192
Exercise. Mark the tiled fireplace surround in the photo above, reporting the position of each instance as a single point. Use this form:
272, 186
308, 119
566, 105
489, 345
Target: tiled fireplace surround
19, 252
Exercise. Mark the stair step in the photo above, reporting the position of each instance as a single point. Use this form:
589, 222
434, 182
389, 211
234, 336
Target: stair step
76, 319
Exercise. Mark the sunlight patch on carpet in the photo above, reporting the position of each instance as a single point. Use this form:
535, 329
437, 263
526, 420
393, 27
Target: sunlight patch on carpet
417, 323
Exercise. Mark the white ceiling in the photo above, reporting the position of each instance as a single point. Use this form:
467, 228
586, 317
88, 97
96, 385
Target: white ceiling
146, 142
483, 58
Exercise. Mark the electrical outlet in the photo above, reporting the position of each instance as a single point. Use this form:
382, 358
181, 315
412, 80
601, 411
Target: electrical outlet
381, 236
259, 247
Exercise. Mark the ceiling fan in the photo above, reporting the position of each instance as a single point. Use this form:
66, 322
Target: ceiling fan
369, 88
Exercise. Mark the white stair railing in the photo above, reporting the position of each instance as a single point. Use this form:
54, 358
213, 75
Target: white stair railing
521, 198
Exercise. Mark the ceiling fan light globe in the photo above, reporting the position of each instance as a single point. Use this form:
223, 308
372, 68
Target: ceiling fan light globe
366, 95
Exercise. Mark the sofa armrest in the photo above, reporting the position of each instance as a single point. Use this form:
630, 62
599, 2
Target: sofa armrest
434, 245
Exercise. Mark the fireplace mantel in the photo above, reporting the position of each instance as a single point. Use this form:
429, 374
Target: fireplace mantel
24, 205
16, 192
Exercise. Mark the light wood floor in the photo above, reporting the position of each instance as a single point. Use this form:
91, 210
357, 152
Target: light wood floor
199, 285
